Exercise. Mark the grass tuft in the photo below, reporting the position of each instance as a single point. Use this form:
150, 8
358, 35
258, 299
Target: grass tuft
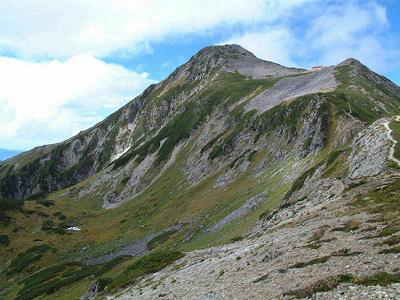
147, 264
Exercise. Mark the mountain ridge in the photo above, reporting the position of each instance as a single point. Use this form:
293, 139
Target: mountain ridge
205, 60
258, 164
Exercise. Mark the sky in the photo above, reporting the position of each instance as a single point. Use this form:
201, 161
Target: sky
67, 64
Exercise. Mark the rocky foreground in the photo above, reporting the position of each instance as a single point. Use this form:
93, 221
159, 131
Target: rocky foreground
233, 178
328, 246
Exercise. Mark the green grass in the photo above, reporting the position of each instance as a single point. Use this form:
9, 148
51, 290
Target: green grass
237, 239
381, 278
159, 240
51, 279
150, 263
24, 259
234, 196
345, 252
163, 205
389, 230
393, 250
393, 240
333, 165
4, 240
358, 102
384, 202
330, 283
228, 88
395, 126
319, 260
351, 225
320, 286
175, 92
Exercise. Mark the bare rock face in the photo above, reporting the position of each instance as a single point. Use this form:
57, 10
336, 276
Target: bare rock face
293, 87
234, 58
209, 103
281, 164
370, 151
312, 242
245, 209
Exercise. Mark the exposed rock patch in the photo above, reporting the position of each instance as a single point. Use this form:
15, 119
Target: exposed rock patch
370, 151
245, 209
293, 87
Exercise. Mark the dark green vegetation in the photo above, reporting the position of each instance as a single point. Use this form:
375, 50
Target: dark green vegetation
147, 264
395, 126
330, 164
393, 250
318, 243
43, 171
159, 240
261, 278
346, 252
227, 89
7, 205
359, 86
174, 112
330, 283
319, 260
351, 225
25, 259
4, 240
236, 239
47, 169
384, 202
50, 280
391, 241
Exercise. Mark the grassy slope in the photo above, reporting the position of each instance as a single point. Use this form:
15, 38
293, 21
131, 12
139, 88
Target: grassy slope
159, 207
102, 231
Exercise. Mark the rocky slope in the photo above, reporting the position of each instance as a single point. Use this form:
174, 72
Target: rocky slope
335, 241
219, 88
228, 144
138, 124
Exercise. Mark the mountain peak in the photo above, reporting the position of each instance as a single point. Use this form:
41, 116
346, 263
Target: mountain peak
229, 50
232, 58
350, 61
229, 148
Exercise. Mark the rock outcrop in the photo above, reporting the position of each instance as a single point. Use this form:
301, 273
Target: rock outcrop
287, 180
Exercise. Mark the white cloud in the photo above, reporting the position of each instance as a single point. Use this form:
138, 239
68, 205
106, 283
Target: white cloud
100, 27
351, 30
326, 34
49, 101
272, 43
71, 88
283, 9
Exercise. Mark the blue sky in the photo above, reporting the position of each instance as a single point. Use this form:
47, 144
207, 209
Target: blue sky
67, 64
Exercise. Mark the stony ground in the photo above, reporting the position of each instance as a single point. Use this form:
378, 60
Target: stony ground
351, 292
323, 247
293, 87
324, 240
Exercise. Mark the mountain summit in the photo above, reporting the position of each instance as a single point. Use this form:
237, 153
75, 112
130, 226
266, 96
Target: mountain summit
234, 58
218, 81
297, 170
